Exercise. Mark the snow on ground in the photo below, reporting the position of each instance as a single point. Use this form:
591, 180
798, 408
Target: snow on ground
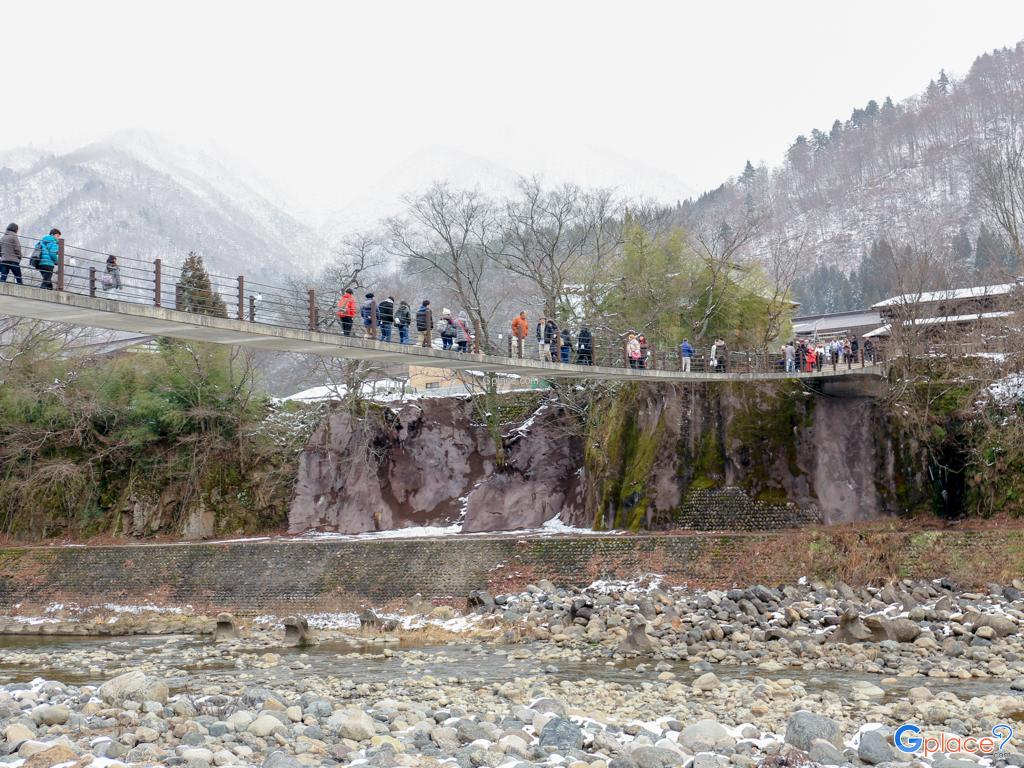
1008, 390
553, 527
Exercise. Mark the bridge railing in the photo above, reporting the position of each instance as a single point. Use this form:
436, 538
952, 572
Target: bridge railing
159, 283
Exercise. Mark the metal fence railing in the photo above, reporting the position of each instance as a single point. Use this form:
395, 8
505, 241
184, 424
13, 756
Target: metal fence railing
158, 283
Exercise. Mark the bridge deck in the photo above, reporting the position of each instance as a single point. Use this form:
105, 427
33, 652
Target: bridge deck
112, 314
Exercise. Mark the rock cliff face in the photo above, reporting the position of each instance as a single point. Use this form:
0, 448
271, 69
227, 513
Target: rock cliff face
650, 457
430, 463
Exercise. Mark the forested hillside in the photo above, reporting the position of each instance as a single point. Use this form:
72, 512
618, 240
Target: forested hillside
893, 175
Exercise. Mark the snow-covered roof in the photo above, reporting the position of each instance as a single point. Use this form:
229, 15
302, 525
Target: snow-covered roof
835, 322
946, 319
952, 294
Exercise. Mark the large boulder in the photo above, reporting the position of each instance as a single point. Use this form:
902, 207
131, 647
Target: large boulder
133, 686
702, 735
1002, 625
357, 726
636, 639
874, 747
851, 629
562, 734
804, 727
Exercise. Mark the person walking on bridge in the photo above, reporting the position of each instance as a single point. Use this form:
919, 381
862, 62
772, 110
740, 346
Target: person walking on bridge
371, 316
403, 319
789, 354
386, 316
542, 346
551, 337
584, 346
685, 356
520, 331
346, 311
49, 255
633, 351
10, 254
425, 323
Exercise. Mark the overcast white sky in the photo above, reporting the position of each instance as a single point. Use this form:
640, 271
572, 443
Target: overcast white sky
324, 97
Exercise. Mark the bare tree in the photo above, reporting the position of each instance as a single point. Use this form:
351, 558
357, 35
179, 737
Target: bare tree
999, 182
548, 233
444, 232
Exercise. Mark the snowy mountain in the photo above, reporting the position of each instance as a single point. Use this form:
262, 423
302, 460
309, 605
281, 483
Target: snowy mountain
141, 197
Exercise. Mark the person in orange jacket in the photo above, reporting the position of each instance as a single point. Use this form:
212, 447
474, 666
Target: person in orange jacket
346, 311
520, 330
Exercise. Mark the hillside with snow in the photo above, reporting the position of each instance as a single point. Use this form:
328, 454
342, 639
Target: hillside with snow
141, 197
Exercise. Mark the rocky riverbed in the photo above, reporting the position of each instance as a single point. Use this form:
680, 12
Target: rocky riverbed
614, 676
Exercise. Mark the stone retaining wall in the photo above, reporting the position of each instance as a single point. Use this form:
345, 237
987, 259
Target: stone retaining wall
252, 577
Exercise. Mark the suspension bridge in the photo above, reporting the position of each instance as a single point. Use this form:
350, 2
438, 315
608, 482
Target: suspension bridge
146, 295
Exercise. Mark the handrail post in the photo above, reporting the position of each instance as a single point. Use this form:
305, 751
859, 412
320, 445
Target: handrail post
312, 309
241, 297
252, 308
92, 281
156, 283
60, 263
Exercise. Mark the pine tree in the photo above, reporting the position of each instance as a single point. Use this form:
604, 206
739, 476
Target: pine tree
962, 248
747, 177
837, 131
799, 154
888, 104
871, 110
195, 291
992, 256
943, 83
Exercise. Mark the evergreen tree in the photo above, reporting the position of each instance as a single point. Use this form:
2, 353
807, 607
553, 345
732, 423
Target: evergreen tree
992, 256
195, 291
836, 132
799, 154
888, 104
871, 110
943, 83
962, 248
748, 174
877, 273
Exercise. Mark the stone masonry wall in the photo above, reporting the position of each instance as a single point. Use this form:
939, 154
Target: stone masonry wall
253, 577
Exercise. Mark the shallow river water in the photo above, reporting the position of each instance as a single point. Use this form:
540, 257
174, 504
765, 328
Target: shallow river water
454, 662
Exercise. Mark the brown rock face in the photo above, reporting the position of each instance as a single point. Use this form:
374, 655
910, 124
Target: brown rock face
699, 456
429, 463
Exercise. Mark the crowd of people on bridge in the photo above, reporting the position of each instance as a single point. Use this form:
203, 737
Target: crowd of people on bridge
390, 321
811, 355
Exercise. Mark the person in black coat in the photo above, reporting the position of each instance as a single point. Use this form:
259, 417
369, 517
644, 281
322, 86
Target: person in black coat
585, 347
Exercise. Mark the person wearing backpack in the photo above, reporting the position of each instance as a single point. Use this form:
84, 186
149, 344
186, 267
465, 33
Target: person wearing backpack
49, 254
425, 323
386, 317
111, 279
448, 331
10, 254
370, 316
346, 311
403, 319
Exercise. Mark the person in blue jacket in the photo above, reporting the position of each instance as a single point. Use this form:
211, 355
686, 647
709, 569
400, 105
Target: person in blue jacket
49, 252
685, 355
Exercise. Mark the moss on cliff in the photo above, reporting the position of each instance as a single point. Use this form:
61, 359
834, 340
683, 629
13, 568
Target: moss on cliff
620, 456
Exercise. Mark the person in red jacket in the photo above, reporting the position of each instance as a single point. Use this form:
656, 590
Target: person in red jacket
520, 330
346, 311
